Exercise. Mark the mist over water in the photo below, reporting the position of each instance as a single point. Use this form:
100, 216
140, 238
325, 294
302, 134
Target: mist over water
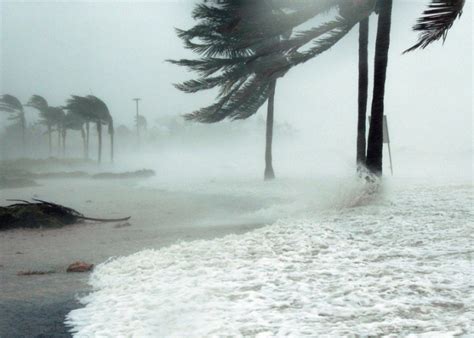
212, 249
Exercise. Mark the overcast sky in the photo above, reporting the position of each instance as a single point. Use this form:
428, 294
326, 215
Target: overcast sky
117, 51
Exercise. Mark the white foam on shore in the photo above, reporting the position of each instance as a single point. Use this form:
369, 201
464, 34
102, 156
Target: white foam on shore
400, 266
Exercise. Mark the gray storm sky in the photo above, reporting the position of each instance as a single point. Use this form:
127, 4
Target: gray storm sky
117, 50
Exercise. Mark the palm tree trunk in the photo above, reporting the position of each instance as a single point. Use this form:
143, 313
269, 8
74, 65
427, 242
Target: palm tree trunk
23, 132
64, 133
112, 147
59, 141
363, 91
269, 173
83, 136
87, 141
49, 140
99, 134
375, 143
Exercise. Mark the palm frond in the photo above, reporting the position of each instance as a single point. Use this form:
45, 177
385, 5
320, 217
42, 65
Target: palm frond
436, 21
10, 104
38, 102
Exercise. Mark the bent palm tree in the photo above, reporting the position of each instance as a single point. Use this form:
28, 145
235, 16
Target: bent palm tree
74, 121
93, 109
47, 118
56, 117
243, 52
82, 107
10, 104
103, 116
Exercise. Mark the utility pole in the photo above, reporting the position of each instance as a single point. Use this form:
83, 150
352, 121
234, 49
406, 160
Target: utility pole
137, 99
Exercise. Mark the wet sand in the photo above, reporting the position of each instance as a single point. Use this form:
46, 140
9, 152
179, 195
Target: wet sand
35, 306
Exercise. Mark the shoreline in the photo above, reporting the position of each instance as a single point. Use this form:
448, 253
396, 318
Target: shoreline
35, 306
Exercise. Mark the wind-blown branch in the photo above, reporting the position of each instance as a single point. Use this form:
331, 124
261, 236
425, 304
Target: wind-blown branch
436, 21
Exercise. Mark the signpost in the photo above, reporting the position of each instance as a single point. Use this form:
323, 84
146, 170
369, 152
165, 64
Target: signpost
137, 99
386, 139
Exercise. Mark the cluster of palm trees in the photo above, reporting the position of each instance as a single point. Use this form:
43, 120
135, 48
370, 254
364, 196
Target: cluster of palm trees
76, 115
246, 46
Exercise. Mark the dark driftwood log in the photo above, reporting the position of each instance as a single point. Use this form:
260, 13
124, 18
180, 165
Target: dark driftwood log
37, 214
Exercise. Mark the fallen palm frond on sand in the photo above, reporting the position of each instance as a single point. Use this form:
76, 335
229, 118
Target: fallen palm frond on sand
37, 214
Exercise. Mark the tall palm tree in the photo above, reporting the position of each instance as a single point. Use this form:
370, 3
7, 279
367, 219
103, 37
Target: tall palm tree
81, 106
47, 117
56, 118
433, 25
269, 174
10, 104
73, 121
234, 42
93, 109
103, 116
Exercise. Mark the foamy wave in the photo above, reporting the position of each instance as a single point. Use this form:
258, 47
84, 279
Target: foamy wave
400, 267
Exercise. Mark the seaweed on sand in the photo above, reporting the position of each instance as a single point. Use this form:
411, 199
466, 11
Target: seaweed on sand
37, 214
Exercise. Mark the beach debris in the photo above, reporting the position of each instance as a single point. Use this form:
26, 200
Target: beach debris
79, 267
37, 214
34, 273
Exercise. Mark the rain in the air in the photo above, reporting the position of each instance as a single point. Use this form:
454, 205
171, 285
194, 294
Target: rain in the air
236, 168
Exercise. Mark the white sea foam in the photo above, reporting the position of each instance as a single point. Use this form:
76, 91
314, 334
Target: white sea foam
397, 266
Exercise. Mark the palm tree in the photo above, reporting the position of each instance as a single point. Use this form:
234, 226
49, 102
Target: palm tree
103, 116
243, 52
269, 174
81, 107
433, 25
241, 56
93, 109
47, 117
235, 42
375, 142
10, 104
56, 118
74, 121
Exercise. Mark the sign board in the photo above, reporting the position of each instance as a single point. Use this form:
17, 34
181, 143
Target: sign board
386, 139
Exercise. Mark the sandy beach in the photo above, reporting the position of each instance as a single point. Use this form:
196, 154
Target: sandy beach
36, 305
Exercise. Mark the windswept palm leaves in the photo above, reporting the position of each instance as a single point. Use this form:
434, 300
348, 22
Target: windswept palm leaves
93, 109
47, 117
246, 45
73, 121
436, 21
10, 104
57, 116
242, 52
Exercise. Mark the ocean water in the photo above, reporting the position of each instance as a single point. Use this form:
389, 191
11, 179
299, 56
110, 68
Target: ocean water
334, 259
